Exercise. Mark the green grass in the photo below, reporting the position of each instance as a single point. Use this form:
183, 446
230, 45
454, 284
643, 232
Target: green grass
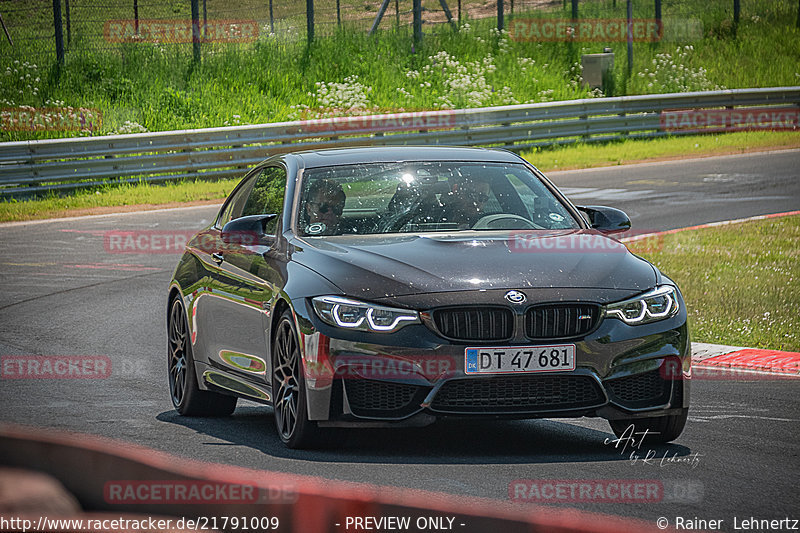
115, 196
279, 77
740, 281
634, 150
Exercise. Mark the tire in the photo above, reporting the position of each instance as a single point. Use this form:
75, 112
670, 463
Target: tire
289, 401
187, 398
660, 429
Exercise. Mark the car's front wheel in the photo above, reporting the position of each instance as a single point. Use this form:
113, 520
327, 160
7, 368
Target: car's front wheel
660, 429
288, 387
186, 395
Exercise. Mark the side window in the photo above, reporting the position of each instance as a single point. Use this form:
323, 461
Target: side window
266, 195
233, 209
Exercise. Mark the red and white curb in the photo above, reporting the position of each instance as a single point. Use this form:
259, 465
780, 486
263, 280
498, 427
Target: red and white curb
709, 225
718, 356
738, 358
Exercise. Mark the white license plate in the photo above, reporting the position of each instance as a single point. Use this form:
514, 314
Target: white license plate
504, 359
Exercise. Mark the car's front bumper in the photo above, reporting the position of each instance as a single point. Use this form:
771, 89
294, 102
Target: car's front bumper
414, 375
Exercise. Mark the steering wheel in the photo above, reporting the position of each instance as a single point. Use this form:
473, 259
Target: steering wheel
391, 224
496, 221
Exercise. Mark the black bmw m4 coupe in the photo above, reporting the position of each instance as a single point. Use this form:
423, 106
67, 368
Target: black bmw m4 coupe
392, 286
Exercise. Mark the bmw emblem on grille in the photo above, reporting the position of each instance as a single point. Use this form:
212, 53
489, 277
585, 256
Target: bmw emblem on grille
516, 297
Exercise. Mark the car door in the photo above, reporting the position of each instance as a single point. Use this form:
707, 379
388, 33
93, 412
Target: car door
245, 284
206, 305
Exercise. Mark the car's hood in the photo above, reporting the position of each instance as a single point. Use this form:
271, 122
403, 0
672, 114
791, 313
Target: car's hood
377, 266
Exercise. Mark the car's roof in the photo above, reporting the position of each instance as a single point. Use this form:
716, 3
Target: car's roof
378, 154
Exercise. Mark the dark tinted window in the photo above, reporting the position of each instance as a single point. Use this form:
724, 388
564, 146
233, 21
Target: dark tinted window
266, 195
233, 207
261, 194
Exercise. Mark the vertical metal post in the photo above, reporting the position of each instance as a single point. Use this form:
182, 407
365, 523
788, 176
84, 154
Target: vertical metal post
205, 21
447, 14
397, 13
136, 17
737, 8
798, 13
630, 37
500, 21
271, 19
59, 31
338, 14
659, 24
574, 9
69, 26
196, 30
5, 30
459, 14
417, 9
379, 16
310, 20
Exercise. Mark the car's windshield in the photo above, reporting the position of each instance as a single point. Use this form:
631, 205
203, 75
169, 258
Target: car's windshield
414, 197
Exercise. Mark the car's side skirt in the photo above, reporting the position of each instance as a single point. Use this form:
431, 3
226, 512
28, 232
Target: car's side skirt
230, 384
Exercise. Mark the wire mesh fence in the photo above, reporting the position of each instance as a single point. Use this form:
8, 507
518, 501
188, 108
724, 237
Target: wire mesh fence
32, 27
106, 25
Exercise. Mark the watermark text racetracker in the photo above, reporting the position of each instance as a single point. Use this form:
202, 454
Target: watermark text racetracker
133, 492
585, 30
674, 370
523, 241
388, 367
55, 366
70, 367
605, 491
28, 118
173, 241
341, 121
146, 241
583, 241
743, 119
531, 29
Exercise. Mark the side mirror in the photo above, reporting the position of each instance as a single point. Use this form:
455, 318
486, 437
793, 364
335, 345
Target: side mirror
606, 219
249, 230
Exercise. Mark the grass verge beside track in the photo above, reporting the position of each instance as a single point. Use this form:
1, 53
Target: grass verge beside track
664, 148
117, 198
131, 197
740, 281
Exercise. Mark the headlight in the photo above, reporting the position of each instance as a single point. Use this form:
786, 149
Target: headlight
360, 316
657, 304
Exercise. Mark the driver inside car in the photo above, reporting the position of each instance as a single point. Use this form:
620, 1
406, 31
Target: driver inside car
323, 208
465, 203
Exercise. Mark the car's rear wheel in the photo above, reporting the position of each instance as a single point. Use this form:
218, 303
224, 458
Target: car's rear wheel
186, 395
660, 429
288, 387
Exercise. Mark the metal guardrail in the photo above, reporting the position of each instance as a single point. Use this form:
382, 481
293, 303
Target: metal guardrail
31, 167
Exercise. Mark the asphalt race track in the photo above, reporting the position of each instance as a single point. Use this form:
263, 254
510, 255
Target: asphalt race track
65, 294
